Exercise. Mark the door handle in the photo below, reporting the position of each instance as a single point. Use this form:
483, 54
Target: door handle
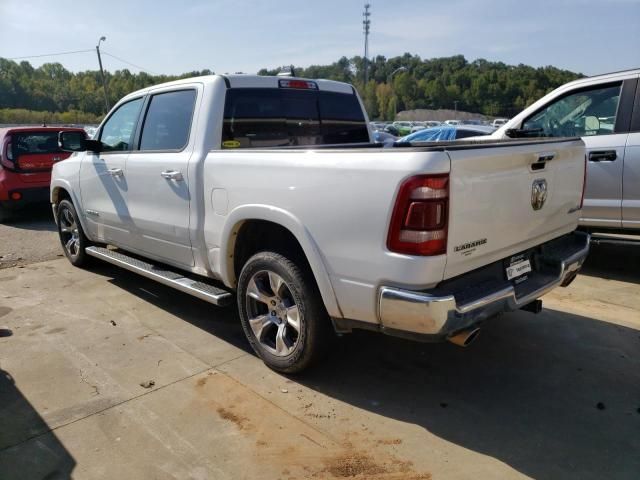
172, 175
115, 172
603, 156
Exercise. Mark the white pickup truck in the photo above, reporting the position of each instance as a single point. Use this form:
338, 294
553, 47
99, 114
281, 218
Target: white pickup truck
269, 189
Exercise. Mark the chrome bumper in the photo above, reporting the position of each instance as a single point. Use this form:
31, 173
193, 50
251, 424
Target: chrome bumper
422, 313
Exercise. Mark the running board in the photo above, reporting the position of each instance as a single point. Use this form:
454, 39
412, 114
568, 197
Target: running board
615, 240
204, 291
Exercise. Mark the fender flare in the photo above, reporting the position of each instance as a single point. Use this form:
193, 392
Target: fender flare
285, 219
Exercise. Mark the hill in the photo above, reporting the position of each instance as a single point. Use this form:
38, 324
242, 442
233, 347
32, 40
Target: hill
489, 88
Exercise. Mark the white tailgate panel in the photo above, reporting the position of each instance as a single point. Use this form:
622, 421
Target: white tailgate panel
491, 214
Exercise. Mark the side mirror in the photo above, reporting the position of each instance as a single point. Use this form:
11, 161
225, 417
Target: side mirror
77, 142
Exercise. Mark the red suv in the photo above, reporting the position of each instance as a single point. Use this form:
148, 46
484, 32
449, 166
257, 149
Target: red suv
27, 155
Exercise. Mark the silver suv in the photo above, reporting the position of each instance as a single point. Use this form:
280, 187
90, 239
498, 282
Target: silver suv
605, 112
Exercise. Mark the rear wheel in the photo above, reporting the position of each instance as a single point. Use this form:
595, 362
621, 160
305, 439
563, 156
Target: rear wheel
71, 235
282, 313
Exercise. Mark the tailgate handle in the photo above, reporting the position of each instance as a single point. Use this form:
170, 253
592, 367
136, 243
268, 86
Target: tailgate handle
546, 157
603, 156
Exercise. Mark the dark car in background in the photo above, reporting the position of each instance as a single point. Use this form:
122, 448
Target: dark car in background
448, 133
27, 155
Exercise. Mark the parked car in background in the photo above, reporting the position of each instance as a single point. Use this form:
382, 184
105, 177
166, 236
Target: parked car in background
383, 137
91, 130
498, 122
404, 128
605, 111
452, 122
27, 155
393, 130
447, 133
432, 123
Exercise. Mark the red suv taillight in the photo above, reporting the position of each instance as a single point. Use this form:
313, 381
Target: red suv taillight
6, 154
420, 216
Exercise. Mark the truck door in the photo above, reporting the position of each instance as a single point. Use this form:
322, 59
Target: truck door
158, 195
103, 182
631, 176
594, 114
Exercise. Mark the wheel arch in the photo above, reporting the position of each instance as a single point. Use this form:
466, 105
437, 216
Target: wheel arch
251, 219
61, 190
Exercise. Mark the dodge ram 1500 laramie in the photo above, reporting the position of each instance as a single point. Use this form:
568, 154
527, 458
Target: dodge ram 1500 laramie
269, 190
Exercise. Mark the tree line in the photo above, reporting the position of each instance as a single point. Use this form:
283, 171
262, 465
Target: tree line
400, 83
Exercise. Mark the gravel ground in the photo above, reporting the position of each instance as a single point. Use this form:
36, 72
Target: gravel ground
29, 237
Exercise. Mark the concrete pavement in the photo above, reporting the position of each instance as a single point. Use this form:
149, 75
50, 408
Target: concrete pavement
554, 395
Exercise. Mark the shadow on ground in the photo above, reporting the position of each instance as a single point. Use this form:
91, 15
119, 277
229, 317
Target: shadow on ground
34, 217
46, 458
614, 262
553, 395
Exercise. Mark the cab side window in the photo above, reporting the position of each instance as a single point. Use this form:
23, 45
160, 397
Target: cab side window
117, 132
579, 114
168, 121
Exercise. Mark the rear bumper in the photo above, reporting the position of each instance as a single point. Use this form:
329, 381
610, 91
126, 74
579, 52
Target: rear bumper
474, 297
28, 196
34, 191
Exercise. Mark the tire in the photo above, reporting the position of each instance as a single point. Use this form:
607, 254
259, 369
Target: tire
282, 312
72, 237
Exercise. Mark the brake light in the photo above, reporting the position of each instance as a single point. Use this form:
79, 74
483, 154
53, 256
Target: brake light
300, 84
420, 218
584, 182
6, 154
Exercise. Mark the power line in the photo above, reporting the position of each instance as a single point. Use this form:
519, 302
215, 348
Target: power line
129, 63
50, 54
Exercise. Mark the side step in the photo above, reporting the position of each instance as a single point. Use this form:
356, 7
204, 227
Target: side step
197, 288
612, 239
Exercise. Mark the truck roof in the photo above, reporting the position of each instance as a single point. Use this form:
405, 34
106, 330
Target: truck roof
36, 129
605, 76
248, 81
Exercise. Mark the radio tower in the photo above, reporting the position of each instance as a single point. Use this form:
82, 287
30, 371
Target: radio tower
366, 25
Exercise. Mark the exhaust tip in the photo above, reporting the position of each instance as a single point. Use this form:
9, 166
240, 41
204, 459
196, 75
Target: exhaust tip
464, 338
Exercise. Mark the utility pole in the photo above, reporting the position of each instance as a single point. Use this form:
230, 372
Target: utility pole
104, 82
389, 78
455, 106
366, 25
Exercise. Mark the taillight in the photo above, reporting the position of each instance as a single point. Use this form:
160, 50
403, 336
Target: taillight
6, 154
420, 216
300, 84
584, 182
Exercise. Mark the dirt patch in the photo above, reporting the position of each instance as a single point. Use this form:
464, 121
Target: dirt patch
228, 415
202, 382
5, 310
354, 464
392, 441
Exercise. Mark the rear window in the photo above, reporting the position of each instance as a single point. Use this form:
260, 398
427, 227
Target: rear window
269, 117
34, 143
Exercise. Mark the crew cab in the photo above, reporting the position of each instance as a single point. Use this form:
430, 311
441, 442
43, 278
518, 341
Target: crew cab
269, 190
27, 155
605, 111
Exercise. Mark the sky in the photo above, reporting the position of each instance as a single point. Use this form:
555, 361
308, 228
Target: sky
229, 36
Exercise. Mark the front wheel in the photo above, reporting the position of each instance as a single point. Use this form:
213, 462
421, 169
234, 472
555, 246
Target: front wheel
282, 313
71, 235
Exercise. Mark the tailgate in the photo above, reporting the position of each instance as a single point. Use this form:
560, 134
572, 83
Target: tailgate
496, 204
